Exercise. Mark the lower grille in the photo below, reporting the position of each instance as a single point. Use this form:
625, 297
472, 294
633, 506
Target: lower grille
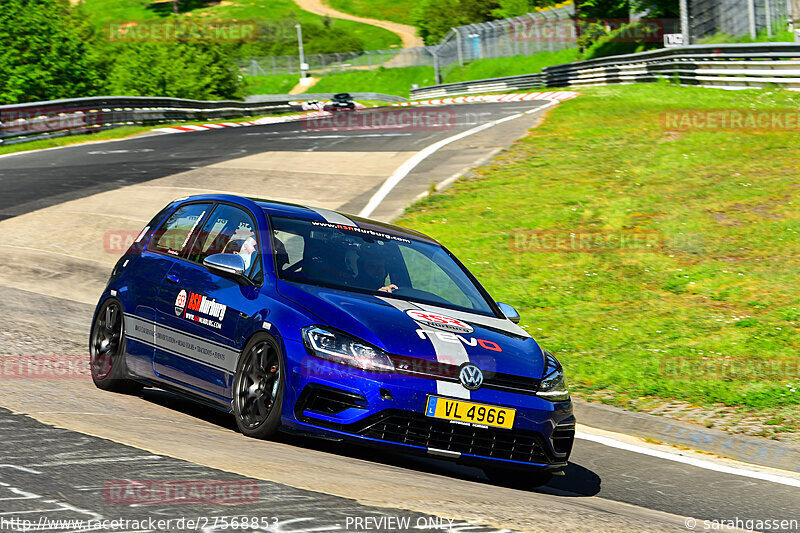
420, 430
562, 438
327, 400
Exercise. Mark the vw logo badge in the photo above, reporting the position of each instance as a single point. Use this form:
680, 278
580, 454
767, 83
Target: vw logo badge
471, 377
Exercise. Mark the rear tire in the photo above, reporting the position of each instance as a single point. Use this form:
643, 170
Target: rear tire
519, 479
258, 388
107, 350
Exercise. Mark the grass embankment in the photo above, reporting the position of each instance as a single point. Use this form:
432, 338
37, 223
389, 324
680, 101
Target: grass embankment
398, 81
271, 84
395, 81
120, 11
648, 327
394, 10
509, 66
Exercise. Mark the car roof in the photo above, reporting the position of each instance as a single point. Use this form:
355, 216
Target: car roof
287, 209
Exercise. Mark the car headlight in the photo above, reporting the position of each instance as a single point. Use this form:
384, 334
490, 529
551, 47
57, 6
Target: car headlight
344, 349
554, 383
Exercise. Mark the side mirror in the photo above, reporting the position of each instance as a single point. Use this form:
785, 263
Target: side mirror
231, 264
508, 310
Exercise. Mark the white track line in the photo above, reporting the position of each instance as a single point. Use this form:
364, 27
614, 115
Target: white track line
692, 461
404, 169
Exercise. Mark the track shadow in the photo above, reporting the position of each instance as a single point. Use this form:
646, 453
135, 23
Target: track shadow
578, 481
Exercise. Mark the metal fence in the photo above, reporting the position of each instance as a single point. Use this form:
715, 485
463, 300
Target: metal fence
547, 30
737, 18
544, 31
39, 120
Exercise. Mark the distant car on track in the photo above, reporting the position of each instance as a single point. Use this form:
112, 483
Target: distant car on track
340, 102
315, 322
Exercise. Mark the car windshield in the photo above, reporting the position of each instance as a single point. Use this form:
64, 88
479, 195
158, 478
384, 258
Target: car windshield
368, 261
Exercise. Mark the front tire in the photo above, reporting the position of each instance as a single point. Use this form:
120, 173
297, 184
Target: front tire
258, 388
107, 350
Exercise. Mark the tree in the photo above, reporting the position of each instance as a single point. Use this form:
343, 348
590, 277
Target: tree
46, 53
435, 18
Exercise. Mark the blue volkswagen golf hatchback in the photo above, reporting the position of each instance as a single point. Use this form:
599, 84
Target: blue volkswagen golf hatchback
310, 321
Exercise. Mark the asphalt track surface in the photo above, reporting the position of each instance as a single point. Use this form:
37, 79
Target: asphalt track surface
302, 484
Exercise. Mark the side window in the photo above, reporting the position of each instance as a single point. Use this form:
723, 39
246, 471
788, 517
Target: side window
174, 234
230, 230
289, 249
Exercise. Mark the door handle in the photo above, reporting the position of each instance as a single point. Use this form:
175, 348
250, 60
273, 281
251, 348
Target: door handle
172, 278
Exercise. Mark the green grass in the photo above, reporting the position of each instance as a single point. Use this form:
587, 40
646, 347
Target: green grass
782, 36
722, 282
394, 10
119, 11
270, 84
395, 81
509, 66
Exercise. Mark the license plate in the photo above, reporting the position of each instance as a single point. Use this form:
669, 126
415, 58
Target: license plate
476, 413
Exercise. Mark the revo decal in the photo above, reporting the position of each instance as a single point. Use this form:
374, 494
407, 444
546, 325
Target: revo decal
446, 336
442, 322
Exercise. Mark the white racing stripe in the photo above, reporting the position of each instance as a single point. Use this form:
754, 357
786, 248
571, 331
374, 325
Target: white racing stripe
333, 217
446, 352
692, 461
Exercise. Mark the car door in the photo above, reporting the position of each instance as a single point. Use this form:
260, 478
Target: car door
198, 310
163, 249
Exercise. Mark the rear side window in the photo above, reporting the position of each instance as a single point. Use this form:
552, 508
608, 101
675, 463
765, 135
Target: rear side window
174, 234
230, 230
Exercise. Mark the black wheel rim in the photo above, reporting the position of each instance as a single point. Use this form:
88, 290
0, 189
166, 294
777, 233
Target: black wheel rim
106, 340
257, 384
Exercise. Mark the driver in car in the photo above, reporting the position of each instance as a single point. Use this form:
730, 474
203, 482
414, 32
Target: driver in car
372, 271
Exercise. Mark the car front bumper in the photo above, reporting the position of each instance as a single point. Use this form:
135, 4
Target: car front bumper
388, 410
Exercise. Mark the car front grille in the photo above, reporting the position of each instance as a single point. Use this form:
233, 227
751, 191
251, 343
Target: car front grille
426, 368
419, 430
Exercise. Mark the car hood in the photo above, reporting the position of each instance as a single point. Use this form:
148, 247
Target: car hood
492, 343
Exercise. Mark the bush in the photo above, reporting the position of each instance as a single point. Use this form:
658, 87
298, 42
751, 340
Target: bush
177, 70
628, 39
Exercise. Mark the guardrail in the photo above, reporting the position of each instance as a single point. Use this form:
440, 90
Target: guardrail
716, 66
492, 85
39, 120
